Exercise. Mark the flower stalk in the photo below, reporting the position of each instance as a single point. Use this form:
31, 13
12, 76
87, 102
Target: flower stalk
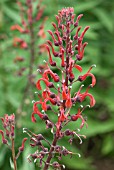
67, 46
28, 29
13, 154
8, 136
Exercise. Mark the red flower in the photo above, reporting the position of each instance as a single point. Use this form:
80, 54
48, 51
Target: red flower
80, 97
17, 27
53, 75
61, 119
4, 141
21, 148
36, 111
53, 51
77, 20
19, 42
53, 37
78, 67
48, 84
62, 57
52, 63
68, 103
82, 78
64, 94
78, 116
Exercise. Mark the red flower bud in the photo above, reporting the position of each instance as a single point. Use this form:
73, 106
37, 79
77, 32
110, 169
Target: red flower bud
4, 141
21, 148
48, 84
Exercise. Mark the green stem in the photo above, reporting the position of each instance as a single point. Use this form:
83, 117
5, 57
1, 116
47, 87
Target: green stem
13, 154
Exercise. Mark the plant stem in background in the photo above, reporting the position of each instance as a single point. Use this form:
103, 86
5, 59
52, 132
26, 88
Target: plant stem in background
31, 29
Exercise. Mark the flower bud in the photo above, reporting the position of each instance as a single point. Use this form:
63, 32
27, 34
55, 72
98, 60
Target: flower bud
56, 165
40, 137
67, 132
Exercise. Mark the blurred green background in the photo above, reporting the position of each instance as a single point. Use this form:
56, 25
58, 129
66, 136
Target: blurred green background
97, 151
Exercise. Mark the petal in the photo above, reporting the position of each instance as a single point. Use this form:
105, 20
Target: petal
48, 84
44, 106
93, 79
78, 67
68, 103
17, 27
92, 100
38, 85
33, 118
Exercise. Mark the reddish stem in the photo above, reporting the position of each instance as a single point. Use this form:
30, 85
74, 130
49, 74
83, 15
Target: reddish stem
50, 153
13, 154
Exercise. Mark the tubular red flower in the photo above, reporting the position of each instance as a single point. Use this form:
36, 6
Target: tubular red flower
76, 116
77, 31
46, 94
4, 141
78, 67
20, 42
53, 51
54, 25
82, 78
80, 97
92, 100
53, 75
36, 111
59, 37
68, 103
52, 35
52, 63
21, 148
83, 33
39, 14
64, 94
79, 116
62, 57
58, 20
44, 106
77, 20
48, 84
2, 119
53, 101
33, 118
17, 27
61, 119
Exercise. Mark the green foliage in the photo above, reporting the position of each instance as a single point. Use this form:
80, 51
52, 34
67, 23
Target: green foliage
99, 15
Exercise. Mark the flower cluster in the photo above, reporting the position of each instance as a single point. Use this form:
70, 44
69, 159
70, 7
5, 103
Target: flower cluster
28, 31
8, 135
64, 52
26, 40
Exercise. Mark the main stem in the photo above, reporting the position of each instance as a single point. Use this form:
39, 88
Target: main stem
50, 153
13, 154
32, 50
31, 62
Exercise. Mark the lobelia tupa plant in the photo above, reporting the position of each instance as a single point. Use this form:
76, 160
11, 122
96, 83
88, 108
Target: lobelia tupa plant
64, 52
8, 137
31, 30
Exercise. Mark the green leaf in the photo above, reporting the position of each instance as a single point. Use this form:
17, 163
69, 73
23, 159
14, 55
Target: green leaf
84, 6
11, 163
97, 127
108, 145
105, 18
12, 14
26, 165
